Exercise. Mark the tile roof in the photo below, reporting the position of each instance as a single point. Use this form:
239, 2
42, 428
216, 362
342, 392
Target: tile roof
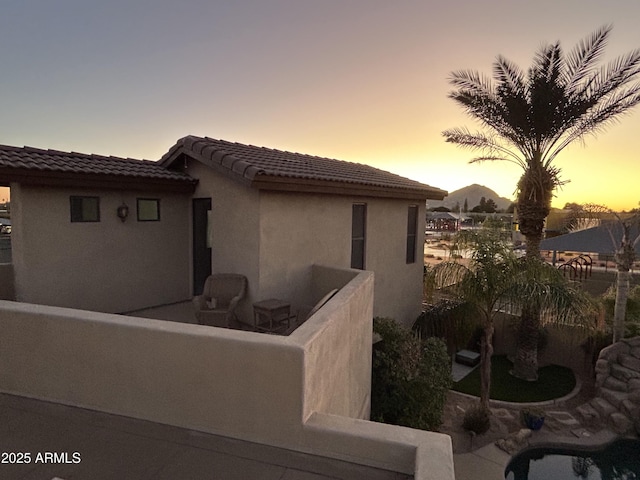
33, 163
270, 168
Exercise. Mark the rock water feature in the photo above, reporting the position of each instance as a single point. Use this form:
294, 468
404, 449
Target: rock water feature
617, 402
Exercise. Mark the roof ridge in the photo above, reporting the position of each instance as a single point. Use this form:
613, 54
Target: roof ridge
272, 166
299, 154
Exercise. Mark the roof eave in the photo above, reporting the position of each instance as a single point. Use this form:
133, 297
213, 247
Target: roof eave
44, 178
291, 184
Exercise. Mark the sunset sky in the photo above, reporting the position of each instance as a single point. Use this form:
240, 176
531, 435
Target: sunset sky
357, 80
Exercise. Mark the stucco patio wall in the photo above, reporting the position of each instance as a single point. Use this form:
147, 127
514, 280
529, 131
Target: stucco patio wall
6, 282
301, 392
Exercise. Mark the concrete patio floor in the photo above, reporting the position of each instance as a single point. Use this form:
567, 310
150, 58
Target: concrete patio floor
105, 446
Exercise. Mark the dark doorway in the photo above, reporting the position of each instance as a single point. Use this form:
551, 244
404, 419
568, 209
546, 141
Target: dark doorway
201, 243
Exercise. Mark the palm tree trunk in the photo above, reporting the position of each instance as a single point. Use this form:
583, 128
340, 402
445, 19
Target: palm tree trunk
620, 308
486, 352
625, 257
525, 365
534, 204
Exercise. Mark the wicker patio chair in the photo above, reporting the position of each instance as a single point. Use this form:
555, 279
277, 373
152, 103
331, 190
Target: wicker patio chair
220, 296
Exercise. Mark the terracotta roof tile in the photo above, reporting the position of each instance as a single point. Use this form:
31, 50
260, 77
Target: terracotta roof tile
36, 160
253, 162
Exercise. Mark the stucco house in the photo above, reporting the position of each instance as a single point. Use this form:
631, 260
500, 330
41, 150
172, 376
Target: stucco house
117, 235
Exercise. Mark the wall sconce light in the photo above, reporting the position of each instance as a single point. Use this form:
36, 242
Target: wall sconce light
123, 212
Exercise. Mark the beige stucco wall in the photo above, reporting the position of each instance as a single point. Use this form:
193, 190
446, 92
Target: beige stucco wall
338, 345
296, 229
235, 210
398, 292
273, 239
307, 392
107, 266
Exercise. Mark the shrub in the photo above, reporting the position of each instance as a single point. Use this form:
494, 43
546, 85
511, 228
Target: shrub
410, 377
632, 313
477, 420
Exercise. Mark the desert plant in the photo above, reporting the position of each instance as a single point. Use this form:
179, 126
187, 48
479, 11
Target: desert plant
477, 420
410, 377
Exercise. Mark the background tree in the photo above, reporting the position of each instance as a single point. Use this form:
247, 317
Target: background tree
530, 118
624, 231
624, 258
583, 216
495, 279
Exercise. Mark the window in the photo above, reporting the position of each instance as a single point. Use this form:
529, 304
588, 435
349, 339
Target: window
358, 231
412, 230
148, 210
85, 209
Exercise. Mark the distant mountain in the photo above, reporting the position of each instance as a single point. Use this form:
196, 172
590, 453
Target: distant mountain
473, 194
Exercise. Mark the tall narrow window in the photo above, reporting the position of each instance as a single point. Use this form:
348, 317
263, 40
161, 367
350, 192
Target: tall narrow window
84, 209
412, 233
358, 231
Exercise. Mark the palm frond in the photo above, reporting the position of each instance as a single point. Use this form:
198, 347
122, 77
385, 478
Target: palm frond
580, 61
532, 117
472, 82
616, 74
509, 76
481, 141
600, 117
489, 111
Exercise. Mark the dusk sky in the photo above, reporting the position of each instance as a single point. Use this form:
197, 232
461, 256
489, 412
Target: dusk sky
356, 80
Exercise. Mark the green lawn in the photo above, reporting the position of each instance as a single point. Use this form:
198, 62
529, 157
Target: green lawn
553, 382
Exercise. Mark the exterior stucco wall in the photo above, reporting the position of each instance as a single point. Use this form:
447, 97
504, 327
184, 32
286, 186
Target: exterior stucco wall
338, 346
398, 292
307, 392
240, 384
107, 266
296, 231
299, 229
235, 242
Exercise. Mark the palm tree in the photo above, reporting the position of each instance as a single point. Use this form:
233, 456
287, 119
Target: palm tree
496, 278
530, 118
624, 257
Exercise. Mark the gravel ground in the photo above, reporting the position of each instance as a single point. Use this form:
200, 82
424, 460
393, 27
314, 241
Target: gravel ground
561, 419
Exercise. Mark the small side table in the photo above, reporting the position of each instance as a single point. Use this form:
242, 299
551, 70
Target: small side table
271, 315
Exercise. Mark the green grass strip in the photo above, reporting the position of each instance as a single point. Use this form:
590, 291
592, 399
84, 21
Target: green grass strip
553, 382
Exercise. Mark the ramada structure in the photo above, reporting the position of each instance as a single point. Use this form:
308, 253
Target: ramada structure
94, 237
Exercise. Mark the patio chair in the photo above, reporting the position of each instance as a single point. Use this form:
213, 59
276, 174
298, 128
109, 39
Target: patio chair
220, 296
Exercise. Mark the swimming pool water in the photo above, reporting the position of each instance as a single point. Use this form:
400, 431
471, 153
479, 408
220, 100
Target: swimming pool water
619, 460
